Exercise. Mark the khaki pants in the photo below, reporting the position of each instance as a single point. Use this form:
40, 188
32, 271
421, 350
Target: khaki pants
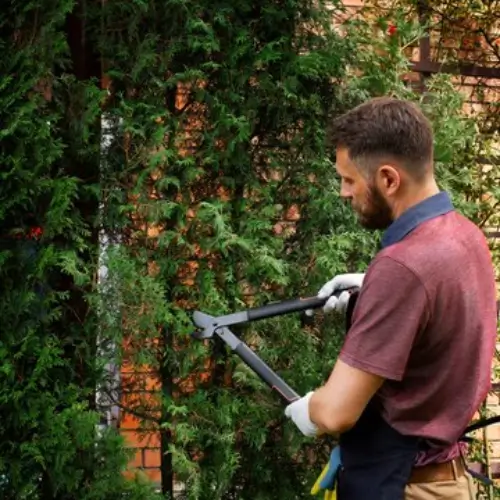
461, 488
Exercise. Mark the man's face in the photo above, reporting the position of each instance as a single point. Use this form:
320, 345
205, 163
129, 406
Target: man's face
366, 199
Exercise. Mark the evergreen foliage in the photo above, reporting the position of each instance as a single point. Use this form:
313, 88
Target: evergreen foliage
215, 191
49, 147
220, 137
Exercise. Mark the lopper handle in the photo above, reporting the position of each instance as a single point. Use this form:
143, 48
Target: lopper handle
271, 378
289, 306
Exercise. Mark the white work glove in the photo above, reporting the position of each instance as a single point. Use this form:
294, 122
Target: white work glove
298, 411
339, 304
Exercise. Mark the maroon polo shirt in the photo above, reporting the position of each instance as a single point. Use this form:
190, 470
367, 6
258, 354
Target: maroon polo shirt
426, 320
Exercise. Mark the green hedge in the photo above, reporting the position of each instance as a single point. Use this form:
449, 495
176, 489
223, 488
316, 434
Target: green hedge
263, 81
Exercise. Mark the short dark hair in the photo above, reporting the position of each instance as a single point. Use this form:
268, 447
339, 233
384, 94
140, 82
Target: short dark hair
385, 128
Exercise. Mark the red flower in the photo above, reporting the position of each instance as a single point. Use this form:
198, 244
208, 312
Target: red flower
392, 29
35, 233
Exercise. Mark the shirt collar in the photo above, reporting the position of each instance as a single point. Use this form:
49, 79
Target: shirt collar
429, 208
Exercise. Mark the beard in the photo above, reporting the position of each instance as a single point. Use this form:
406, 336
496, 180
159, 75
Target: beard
375, 213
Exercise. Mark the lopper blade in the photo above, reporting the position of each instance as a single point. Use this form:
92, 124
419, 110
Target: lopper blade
205, 324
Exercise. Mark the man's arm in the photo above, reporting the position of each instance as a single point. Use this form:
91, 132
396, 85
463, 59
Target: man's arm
336, 406
390, 312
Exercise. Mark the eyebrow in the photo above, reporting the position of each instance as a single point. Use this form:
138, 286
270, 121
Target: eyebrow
347, 177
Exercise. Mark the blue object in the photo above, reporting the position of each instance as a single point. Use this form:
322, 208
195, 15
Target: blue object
329, 479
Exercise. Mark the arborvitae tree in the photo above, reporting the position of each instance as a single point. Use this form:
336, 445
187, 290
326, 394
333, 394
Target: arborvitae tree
49, 164
220, 194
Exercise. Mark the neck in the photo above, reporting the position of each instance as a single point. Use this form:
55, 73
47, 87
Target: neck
414, 196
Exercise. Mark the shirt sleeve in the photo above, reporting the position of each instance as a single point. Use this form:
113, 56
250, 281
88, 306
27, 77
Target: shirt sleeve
391, 310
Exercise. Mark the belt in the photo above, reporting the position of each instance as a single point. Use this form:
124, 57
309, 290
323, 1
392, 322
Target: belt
447, 471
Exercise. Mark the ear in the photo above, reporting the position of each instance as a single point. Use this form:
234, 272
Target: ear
389, 179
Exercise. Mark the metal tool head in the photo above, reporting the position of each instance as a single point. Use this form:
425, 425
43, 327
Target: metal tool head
206, 325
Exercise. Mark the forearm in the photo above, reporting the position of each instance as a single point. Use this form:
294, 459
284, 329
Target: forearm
324, 414
336, 406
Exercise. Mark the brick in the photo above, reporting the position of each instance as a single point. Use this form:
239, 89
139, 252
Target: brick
140, 381
138, 459
353, 3
494, 447
493, 433
150, 440
130, 437
153, 475
293, 213
493, 400
129, 422
152, 458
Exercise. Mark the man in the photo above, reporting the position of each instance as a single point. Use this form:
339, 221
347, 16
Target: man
417, 360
